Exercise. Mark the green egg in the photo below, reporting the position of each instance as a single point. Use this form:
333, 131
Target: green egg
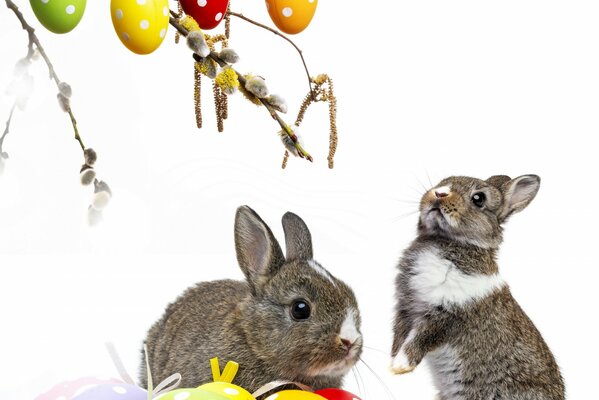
58, 16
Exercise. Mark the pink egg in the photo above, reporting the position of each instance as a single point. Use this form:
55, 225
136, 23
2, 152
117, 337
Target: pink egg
113, 391
69, 389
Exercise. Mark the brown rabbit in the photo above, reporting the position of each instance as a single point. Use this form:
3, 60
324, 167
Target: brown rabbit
291, 320
453, 307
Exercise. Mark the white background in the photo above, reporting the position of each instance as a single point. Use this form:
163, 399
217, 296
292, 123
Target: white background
426, 88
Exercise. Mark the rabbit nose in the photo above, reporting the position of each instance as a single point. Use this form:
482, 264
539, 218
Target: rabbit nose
348, 344
442, 192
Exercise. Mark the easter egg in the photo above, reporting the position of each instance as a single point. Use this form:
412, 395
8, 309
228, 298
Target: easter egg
294, 395
227, 390
190, 394
58, 16
291, 16
69, 389
140, 24
337, 394
113, 391
207, 13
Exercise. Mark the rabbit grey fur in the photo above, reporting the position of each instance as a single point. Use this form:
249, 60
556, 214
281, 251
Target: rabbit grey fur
250, 323
454, 309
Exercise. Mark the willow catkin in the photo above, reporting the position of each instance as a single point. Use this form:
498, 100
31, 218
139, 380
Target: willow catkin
218, 105
197, 96
320, 93
177, 34
228, 23
285, 158
333, 124
225, 101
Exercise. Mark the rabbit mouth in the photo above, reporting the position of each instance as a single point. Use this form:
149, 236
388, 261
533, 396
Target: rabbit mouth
339, 367
435, 217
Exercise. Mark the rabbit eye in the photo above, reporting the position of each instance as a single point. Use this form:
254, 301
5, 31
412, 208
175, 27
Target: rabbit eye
479, 199
300, 310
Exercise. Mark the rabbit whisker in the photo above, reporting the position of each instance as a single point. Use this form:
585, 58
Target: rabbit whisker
375, 349
387, 390
353, 370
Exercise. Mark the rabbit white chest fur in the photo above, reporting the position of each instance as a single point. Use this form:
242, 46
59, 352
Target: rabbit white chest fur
437, 281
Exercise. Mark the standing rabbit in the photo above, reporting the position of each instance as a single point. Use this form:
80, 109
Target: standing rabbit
456, 310
290, 320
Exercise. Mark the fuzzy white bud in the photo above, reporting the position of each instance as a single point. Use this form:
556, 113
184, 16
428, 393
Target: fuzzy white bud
101, 200
65, 89
87, 175
102, 195
257, 86
212, 69
277, 102
229, 55
63, 102
288, 142
197, 43
90, 156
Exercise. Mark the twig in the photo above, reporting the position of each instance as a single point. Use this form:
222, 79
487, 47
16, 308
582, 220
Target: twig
251, 21
7, 128
273, 113
34, 40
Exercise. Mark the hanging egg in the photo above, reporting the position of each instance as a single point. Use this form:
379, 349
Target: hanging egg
228, 390
140, 24
207, 13
337, 394
294, 395
291, 16
112, 391
190, 394
69, 389
58, 16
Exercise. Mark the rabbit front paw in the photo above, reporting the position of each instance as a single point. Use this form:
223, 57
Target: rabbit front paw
401, 363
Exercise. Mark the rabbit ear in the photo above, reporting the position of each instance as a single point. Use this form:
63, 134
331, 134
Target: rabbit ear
518, 193
498, 181
258, 252
298, 240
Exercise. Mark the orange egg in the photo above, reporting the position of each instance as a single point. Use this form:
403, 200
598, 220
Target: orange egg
291, 16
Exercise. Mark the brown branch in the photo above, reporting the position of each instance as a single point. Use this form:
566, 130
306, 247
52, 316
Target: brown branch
301, 54
273, 113
7, 128
33, 39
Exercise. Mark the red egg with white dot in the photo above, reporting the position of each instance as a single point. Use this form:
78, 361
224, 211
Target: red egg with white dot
207, 13
337, 394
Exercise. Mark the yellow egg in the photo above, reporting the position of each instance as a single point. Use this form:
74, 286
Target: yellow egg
228, 390
295, 395
140, 24
291, 16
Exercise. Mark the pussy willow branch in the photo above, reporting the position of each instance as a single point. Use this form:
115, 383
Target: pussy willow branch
7, 128
301, 54
33, 39
273, 113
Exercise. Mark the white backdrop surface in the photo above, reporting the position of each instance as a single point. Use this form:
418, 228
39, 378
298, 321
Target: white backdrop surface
425, 89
